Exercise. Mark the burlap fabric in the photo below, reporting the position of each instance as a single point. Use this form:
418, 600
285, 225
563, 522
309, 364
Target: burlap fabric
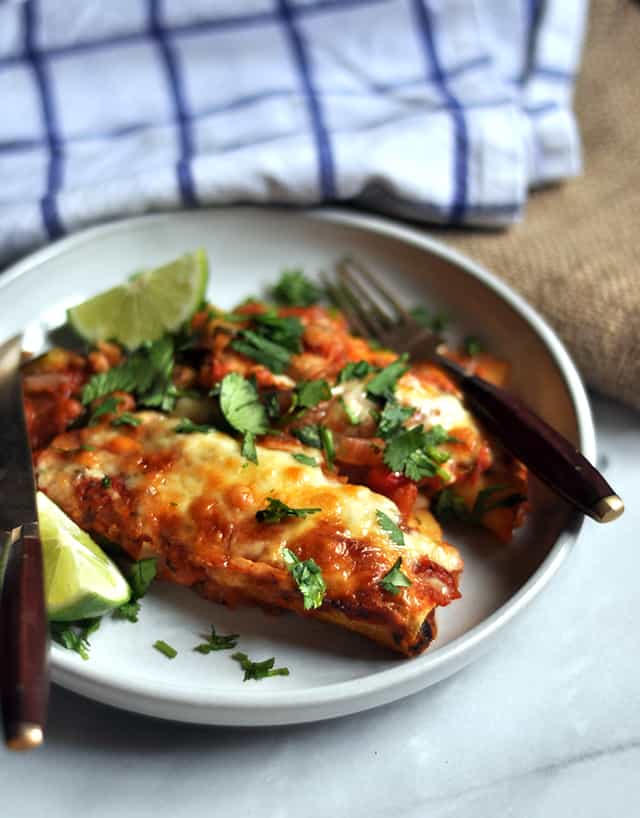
576, 255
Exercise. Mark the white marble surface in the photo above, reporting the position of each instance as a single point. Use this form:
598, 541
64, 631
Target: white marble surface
547, 724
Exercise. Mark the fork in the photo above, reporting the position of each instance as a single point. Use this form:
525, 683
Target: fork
549, 455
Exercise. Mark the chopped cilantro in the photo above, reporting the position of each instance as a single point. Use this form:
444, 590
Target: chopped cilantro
450, 506
126, 419
107, 406
472, 346
352, 415
304, 459
388, 526
355, 371
284, 331
128, 610
258, 670
383, 384
294, 289
326, 438
75, 635
243, 411
140, 576
395, 580
277, 511
165, 649
434, 321
186, 426
414, 452
272, 405
310, 393
308, 578
217, 642
265, 352
392, 418
106, 482
309, 435
146, 372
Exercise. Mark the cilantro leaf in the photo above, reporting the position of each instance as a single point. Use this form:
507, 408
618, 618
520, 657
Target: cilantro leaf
107, 406
392, 418
75, 635
310, 393
308, 578
186, 426
383, 384
277, 511
309, 435
304, 459
126, 419
294, 289
352, 415
395, 579
243, 411
472, 346
106, 482
326, 438
450, 506
161, 646
389, 527
128, 610
142, 574
414, 452
217, 642
355, 371
146, 372
434, 321
258, 670
260, 349
284, 331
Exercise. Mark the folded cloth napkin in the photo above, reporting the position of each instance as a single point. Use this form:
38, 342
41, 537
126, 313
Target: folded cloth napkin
438, 110
576, 256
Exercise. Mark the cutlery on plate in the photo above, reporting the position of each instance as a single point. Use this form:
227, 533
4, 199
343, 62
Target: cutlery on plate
549, 455
24, 682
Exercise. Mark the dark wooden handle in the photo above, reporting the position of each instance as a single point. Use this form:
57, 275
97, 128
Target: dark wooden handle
24, 646
549, 455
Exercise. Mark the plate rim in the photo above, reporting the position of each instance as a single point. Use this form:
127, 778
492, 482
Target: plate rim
378, 686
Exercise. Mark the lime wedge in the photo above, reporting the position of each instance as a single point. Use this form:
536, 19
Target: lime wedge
80, 581
145, 307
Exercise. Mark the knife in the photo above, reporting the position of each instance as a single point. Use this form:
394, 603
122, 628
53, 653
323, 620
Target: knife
24, 648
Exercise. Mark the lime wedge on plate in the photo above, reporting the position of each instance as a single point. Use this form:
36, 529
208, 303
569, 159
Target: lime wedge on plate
145, 307
80, 581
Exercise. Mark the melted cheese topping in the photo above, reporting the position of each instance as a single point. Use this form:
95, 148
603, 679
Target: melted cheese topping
192, 499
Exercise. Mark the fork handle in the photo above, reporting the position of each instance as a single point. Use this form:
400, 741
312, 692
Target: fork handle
24, 643
549, 455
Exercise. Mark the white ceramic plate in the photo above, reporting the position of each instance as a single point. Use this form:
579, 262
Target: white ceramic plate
333, 672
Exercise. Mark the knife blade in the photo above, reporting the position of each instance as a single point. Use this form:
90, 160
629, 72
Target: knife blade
23, 621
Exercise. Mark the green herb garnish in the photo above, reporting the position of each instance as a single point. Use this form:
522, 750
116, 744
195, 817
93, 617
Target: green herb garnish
75, 635
415, 453
392, 418
472, 346
328, 447
186, 426
217, 642
161, 646
294, 289
308, 578
285, 331
108, 406
277, 511
434, 321
140, 575
383, 384
304, 459
254, 346
258, 670
395, 580
355, 371
126, 419
308, 394
309, 435
450, 506
243, 411
352, 415
106, 482
388, 526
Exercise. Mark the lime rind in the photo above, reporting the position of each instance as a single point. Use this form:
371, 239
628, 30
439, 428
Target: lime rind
150, 304
80, 580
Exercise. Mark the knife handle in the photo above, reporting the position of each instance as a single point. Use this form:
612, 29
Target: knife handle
546, 452
24, 645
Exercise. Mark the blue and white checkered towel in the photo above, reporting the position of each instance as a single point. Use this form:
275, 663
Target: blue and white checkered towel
439, 110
